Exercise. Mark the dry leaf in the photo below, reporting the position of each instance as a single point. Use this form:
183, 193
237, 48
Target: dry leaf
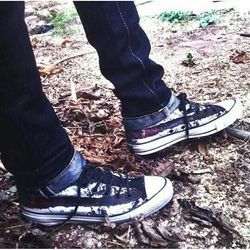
227, 224
48, 70
34, 42
64, 42
225, 135
141, 237
163, 169
156, 239
171, 234
107, 222
241, 57
150, 232
202, 148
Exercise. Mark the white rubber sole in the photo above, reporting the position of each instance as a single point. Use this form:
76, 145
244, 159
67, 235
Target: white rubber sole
162, 141
151, 206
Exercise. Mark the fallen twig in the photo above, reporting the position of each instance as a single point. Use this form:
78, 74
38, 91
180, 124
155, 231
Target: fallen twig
73, 56
143, 2
73, 90
201, 171
238, 133
42, 64
207, 216
107, 222
115, 243
16, 226
245, 34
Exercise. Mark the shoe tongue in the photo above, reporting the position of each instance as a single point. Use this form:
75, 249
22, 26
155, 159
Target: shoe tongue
117, 180
104, 176
120, 180
138, 183
134, 183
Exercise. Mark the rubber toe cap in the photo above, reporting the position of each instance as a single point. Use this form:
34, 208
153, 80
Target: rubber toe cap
154, 184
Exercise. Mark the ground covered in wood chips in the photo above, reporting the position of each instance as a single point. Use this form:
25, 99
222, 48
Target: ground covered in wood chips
210, 175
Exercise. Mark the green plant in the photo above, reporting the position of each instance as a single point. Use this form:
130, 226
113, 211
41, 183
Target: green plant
205, 19
189, 61
61, 22
176, 16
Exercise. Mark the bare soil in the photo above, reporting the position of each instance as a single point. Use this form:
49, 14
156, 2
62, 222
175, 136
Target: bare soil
210, 208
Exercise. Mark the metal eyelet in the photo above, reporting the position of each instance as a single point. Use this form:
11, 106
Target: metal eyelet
129, 195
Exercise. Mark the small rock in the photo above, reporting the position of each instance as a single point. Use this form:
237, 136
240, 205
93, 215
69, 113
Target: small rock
41, 28
102, 113
43, 14
239, 215
31, 19
28, 11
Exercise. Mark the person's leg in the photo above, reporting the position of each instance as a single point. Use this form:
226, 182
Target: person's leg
153, 117
55, 183
34, 146
113, 29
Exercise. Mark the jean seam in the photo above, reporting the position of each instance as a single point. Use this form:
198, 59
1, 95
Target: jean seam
51, 191
42, 193
133, 54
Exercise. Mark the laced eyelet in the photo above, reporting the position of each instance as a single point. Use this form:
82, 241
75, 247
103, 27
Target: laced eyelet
171, 131
129, 195
84, 185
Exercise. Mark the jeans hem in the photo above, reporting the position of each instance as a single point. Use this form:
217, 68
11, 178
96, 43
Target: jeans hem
140, 122
67, 177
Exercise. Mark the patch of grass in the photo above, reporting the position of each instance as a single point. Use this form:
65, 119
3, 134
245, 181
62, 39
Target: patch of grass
61, 22
176, 16
204, 19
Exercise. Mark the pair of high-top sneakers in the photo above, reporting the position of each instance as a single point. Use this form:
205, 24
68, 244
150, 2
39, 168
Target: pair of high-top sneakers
95, 194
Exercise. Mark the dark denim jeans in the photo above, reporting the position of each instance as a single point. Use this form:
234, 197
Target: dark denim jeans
33, 145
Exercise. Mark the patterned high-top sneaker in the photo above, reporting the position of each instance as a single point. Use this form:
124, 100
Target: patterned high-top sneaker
186, 120
96, 195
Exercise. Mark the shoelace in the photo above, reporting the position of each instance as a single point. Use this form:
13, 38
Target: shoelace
193, 107
95, 174
183, 107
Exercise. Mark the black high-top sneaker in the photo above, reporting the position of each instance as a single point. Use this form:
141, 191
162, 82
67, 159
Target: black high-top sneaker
188, 120
94, 196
